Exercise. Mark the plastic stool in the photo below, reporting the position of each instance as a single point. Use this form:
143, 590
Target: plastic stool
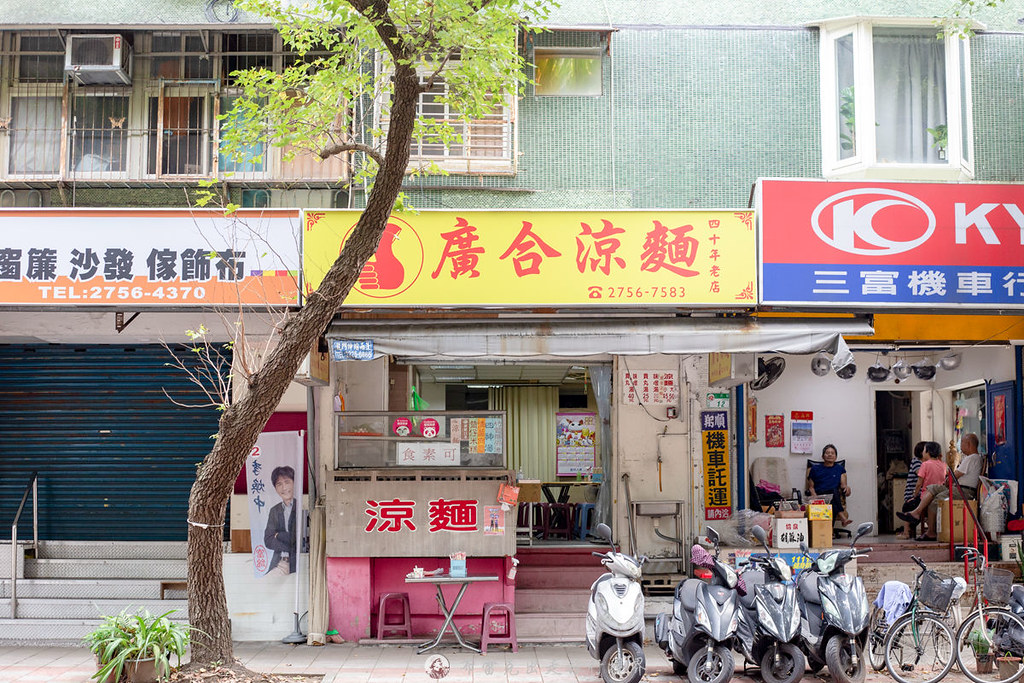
584, 519
508, 637
382, 615
557, 520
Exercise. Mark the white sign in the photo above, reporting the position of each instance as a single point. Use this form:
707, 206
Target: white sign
145, 257
650, 387
428, 453
789, 533
718, 399
351, 349
274, 479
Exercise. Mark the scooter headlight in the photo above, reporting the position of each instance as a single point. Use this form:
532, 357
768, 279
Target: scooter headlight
766, 620
827, 562
730, 576
701, 616
830, 608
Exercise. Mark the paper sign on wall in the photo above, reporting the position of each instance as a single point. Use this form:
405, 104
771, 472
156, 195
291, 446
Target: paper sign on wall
774, 431
801, 438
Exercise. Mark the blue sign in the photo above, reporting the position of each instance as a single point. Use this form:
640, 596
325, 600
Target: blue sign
351, 349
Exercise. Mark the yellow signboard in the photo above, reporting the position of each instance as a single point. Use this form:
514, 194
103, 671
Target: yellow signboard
528, 258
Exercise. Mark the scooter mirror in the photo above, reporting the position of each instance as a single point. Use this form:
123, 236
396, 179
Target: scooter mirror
712, 535
760, 535
863, 529
804, 549
603, 531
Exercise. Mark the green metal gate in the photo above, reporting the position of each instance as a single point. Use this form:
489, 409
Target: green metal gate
116, 457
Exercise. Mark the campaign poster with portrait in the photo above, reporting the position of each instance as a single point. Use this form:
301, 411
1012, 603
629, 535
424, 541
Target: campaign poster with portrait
274, 483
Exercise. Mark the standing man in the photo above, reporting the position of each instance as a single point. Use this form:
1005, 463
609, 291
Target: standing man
280, 532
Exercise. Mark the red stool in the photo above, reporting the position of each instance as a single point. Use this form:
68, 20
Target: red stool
508, 637
382, 615
557, 520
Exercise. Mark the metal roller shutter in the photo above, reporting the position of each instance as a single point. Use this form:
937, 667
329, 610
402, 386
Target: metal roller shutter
116, 457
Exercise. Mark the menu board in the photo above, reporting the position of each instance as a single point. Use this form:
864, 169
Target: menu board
575, 443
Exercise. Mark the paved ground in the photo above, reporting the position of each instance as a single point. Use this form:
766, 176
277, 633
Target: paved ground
349, 663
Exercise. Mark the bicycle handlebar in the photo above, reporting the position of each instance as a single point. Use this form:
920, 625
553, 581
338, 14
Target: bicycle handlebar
919, 562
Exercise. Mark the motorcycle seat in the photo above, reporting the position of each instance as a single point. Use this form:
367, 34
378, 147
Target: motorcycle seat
809, 589
686, 594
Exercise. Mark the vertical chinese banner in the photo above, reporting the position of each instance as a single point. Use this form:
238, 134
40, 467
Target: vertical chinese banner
273, 473
714, 428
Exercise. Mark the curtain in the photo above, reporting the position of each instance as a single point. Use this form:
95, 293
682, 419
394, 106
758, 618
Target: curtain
910, 96
601, 382
530, 425
35, 135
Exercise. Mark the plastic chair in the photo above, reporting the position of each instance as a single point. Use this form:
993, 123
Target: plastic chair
583, 520
382, 615
508, 636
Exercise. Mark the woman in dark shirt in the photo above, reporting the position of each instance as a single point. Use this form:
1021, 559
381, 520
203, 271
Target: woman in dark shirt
827, 477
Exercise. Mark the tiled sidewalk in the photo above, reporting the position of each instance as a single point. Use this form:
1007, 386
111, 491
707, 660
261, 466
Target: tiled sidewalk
385, 664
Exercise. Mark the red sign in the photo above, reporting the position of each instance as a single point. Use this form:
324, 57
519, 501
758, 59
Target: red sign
429, 428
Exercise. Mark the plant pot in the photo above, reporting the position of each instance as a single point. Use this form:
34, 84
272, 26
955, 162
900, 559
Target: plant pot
983, 663
141, 670
109, 678
1008, 666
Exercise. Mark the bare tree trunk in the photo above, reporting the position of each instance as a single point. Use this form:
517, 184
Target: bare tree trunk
243, 421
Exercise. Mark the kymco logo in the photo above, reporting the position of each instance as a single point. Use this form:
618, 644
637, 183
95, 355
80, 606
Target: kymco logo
873, 221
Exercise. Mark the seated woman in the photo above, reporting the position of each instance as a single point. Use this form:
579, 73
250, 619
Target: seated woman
827, 477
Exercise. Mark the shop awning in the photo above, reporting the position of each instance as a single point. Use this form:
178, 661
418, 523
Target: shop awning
517, 339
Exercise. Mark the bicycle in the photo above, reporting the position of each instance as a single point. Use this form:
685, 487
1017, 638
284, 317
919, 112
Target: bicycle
990, 641
918, 646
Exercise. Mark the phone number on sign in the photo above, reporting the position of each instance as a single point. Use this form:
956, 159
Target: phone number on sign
115, 293
636, 292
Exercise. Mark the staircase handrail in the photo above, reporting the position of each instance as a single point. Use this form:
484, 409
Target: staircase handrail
33, 486
953, 481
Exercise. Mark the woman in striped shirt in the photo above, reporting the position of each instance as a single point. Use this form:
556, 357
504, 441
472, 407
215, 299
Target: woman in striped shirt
910, 501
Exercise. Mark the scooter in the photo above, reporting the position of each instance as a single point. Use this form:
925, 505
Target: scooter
769, 628
834, 612
615, 615
698, 636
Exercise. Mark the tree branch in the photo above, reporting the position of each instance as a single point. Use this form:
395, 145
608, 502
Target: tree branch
331, 150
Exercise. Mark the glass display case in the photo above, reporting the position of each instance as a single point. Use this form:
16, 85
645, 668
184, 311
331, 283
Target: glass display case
374, 440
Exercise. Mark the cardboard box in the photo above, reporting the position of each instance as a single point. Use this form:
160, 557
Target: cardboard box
942, 521
821, 533
789, 533
790, 514
819, 512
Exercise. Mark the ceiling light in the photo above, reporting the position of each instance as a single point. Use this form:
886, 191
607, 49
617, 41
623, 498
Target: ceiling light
451, 367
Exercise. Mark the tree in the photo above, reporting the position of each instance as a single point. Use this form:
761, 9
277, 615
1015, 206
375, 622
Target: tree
350, 56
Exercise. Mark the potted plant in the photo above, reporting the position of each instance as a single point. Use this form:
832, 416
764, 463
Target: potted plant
137, 647
939, 139
1008, 665
981, 643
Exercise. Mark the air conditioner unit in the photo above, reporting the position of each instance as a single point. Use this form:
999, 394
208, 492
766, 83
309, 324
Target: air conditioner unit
98, 59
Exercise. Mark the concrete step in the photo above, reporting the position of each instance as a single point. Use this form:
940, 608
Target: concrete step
109, 550
94, 589
96, 568
559, 556
47, 608
558, 577
551, 627
551, 600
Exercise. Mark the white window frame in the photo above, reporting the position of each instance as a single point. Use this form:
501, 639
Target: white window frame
463, 163
959, 164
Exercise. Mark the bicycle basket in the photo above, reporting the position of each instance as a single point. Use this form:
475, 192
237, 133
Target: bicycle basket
936, 590
997, 586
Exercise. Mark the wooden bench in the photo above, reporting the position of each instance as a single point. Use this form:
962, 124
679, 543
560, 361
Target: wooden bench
173, 586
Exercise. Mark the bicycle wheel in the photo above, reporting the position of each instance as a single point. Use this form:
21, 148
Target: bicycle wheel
877, 628
918, 648
990, 646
